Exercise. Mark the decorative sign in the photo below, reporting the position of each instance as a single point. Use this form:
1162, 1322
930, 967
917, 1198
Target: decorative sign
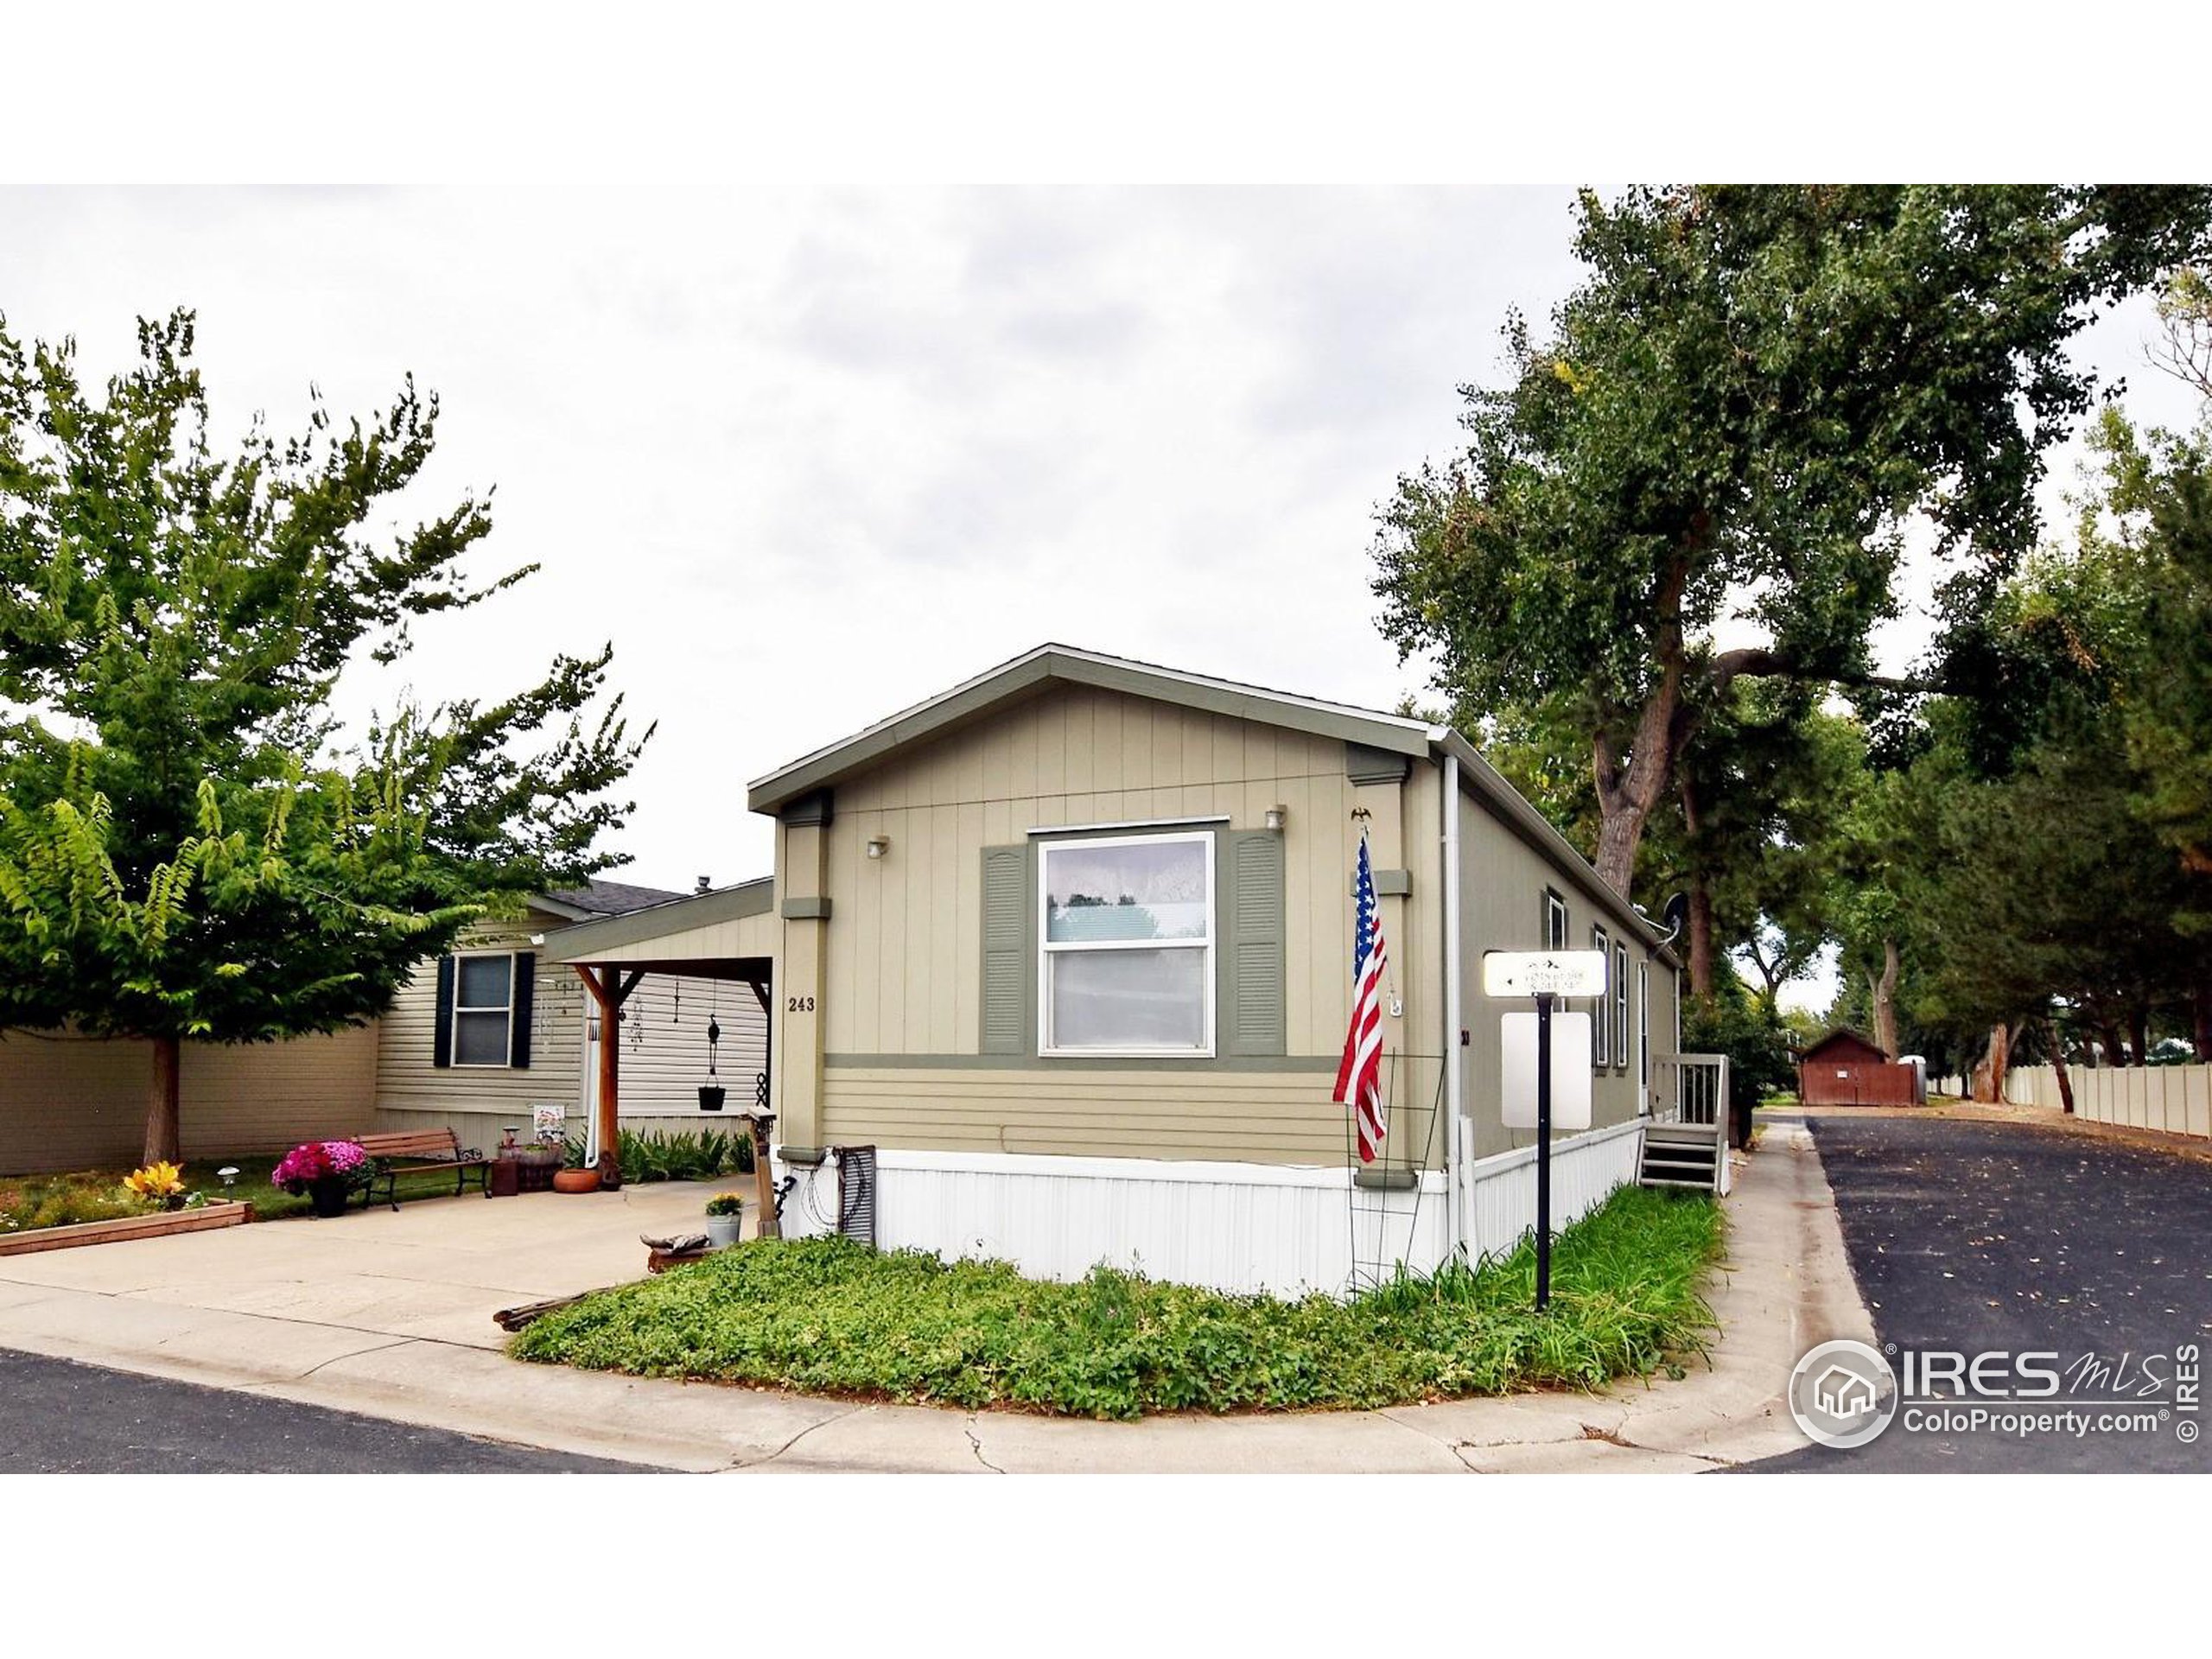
1533, 973
1570, 1070
547, 1122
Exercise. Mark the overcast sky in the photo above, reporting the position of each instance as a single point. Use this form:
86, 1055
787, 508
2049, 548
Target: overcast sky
807, 458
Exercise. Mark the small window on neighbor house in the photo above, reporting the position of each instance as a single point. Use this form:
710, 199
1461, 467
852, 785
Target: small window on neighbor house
1127, 924
483, 1010
1601, 1048
1620, 1006
1554, 921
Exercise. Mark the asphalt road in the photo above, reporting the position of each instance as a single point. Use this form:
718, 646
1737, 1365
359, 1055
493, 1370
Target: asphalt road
1971, 1236
58, 1415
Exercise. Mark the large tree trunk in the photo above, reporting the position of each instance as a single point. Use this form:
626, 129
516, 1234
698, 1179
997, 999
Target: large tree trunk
1989, 1076
2138, 1032
2203, 1011
1700, 940
164, 1143
2057, 1050
1627, 794
1885, 1002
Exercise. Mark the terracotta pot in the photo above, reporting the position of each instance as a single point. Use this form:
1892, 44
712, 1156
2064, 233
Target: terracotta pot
576, 1180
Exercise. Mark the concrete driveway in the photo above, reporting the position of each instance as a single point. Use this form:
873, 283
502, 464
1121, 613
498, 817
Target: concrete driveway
390, 1315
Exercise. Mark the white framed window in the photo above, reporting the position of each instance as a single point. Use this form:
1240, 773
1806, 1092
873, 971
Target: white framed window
1601, 1026
484, 1009
1127, 934
1554, 921
1620, 1006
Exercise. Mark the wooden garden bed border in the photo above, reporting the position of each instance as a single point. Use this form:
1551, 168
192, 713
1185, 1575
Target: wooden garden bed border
126, 1227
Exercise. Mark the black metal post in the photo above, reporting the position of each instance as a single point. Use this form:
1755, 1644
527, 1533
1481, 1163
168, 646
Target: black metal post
1543, 1150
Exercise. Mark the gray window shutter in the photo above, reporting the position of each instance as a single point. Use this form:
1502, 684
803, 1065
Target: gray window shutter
1007, 965
1251, 1016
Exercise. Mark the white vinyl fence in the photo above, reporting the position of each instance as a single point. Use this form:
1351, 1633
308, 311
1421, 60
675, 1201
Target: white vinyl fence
2174, 1098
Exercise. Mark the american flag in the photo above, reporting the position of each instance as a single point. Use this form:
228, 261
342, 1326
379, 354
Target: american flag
1359, 1075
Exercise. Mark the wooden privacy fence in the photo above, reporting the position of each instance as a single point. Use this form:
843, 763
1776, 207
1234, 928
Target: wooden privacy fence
2174, 1098
1857, 1085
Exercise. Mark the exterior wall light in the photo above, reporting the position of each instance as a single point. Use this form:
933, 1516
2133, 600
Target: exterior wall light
1276, 815
878, 846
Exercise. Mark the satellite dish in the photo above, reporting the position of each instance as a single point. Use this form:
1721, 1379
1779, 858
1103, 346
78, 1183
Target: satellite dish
1676, 914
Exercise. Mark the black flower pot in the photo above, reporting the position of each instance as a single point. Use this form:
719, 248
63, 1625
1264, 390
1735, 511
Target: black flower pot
711, 1095
329, 1195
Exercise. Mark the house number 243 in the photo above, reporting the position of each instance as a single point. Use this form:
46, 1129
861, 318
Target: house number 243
799, 1005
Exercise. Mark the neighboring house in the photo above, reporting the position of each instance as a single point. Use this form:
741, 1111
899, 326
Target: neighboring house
1846, 1068
1069, 947
473, 1042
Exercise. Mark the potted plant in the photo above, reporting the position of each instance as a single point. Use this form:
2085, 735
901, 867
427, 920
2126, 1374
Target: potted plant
327, 1171
711, 1095
725, 1215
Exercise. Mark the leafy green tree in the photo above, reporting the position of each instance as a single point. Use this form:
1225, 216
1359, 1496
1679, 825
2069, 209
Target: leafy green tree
1751, 394
186, 851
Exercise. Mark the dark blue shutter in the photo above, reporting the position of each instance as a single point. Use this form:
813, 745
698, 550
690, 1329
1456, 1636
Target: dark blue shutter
526, 994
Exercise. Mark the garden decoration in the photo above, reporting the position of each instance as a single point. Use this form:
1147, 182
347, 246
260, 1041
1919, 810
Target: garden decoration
711, 1092
327, 1171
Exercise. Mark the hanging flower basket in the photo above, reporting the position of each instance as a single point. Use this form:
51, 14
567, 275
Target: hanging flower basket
711, 1095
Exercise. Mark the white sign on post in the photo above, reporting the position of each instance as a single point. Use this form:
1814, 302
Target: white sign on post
1570, 1071
1529, 973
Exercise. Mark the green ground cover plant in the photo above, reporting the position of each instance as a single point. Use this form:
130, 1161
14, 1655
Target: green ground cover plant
828, 1315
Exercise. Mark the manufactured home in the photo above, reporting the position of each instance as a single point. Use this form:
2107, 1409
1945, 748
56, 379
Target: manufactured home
1059, 968
476, 1041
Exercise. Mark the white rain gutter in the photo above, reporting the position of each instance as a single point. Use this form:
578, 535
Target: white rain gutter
1454, 1122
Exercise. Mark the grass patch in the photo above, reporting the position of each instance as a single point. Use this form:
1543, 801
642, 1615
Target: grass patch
827, 1315
33, 1201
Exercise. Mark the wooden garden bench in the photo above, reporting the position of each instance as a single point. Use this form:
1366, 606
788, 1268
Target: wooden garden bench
419, 1150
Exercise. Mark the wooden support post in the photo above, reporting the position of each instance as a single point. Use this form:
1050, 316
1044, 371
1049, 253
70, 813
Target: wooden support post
764, 1176
610, 989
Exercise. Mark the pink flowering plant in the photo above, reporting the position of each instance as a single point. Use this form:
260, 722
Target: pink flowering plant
316, 1161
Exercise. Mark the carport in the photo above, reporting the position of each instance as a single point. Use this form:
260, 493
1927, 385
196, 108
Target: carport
728, 933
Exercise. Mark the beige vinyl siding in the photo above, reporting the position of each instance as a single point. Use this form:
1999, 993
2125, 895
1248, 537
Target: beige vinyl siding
1502, 885
1258, 1117
903, 969
664, 1058
407, 1081
76, 1102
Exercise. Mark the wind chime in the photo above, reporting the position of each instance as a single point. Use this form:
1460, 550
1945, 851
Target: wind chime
711, 1092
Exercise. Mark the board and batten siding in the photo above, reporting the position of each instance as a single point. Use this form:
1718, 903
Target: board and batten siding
663, 1050
904, 968
79, 1103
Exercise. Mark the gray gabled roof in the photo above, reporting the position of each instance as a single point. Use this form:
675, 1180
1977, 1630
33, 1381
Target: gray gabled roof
1012, 681
598, 898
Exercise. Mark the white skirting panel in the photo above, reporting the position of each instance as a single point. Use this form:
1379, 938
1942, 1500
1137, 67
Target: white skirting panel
1229, 1226
1586, 1170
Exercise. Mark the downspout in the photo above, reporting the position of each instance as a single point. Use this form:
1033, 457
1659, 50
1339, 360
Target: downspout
1454, 1124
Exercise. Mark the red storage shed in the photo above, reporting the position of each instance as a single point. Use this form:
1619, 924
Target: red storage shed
1845, 1069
